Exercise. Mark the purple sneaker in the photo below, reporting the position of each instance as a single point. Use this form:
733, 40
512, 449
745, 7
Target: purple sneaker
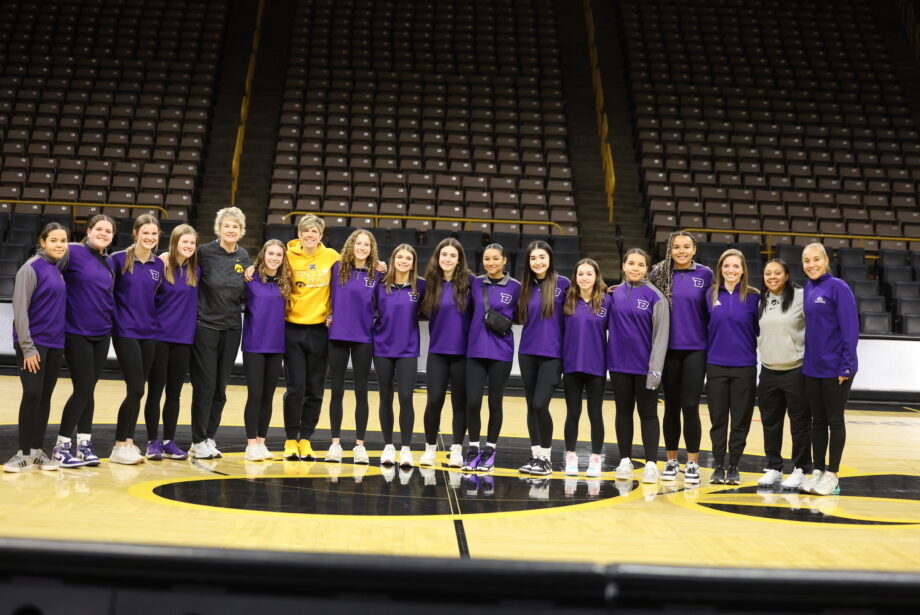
87, 453
171, 450
65, 458
472, 459
154, 450
486, 460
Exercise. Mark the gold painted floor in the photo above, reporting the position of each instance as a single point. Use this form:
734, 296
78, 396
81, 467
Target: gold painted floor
873, 525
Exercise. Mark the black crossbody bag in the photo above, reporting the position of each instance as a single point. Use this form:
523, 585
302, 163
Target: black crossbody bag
496, 322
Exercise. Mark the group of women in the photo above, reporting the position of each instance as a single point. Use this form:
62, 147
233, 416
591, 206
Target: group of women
309, 308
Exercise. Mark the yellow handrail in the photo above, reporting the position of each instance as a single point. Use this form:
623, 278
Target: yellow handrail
602, 126
244, 105
378, 217
73, 204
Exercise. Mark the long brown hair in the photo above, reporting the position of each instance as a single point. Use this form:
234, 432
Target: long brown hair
662, 274
597, 293
547, 285
434, 278
284, 271
717, 279
172, 258
139, 222
347, 260
390, 278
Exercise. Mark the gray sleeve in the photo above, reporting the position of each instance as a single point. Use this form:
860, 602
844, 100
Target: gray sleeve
26, 281
661, 327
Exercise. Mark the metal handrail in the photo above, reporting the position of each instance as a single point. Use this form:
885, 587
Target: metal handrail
73, 204
244, 105
768, 234
378, 217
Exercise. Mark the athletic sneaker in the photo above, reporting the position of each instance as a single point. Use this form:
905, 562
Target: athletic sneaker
18, 463
359, 455
306, 450
334, 454
124, 454
732, 477
541, 467
650, 473
64, 457
527, 468
201, 450
718, 476
595, 462
428, 457
215, 452
41, 461
571, 463
486, 460
456, 456
625, 469
171, 450
87, 453
809, 483
406, 459
291, 451
828, 485
770, 477
794, 480
692, 473
155, 450
388, 456
253, 453
472, 458
671, 469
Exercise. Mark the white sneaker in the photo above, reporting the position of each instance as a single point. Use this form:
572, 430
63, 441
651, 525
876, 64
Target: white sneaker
650, 473
126, 455
809, 483
253, 453
769, 478
214, 450
671, 470
266, 454
41, 461
388, 456
201, 450
406, 460
625, 469
571, 463
359, 454
794, 480
828, 485
456, 456
18, 463
428, 457
594, 466
334, 454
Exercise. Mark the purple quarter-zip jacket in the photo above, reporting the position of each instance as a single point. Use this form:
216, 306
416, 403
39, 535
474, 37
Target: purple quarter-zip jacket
503, 297
135, 297
542, 337
90, 286
584, 345
733, 329
352, 306
177, 308
639, 322
263, 325
831, 329
689, 314
448, 327
39, 304
396, 330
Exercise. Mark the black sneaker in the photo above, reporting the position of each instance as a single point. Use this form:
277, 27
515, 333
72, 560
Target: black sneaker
732, 477
541, 467
718, 476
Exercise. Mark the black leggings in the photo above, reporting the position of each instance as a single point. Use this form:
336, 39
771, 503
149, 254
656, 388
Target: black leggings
361, 355
682, 381
629, 392
779, 392
403, 370
306, 350
37, 389
170, 367
574, 383
540, 376
262, 371
479, 373
441, 370
85, 359
136, 359
827, 400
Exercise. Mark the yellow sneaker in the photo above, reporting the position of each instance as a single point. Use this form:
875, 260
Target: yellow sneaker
291, 451
306, 450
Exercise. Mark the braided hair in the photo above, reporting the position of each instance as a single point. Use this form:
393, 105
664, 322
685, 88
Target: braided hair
662, 274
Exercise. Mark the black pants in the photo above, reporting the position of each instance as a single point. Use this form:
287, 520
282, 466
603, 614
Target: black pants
262, 371
85, 359
404, 370
826, 402
540, 376
305, 354
213, 355
37, 388
777, 393
135, 358
170, 367
441, 370
361, 355
574, 383
629, 392
730, 391
479, 373
682, 382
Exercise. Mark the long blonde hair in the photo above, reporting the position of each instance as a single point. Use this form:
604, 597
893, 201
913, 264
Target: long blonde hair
597, 292
191, 277
284, 271
718, 281
139, 222
347, 261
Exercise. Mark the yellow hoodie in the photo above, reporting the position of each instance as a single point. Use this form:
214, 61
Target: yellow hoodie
309, 304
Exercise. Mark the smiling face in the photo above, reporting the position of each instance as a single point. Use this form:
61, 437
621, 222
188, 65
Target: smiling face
732, 270
448, 259
147, 236
814, 262
362, 247
230, 231
635, 267
101, 235
682, 251
310, 238
55, 243
187, 245
585, 277
493, 261
775, 278
403, 261
539, 262
274, 256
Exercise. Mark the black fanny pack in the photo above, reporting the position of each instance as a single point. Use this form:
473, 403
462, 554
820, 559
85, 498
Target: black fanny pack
495, 322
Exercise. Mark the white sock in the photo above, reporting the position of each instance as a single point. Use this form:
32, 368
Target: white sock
84, 437
34, 451
544, 453
492, 444
165, 442
431, 447
62, 440
535, 452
